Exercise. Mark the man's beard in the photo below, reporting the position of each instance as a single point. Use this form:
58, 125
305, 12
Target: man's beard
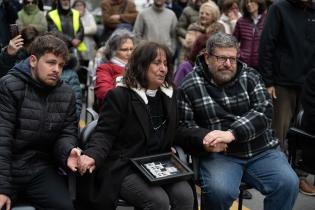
221, 78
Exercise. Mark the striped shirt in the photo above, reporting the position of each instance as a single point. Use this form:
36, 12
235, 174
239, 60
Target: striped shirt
242, 105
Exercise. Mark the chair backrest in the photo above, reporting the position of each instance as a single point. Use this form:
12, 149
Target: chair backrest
93, 113
299, 117
86, 133
191, 161
302, 142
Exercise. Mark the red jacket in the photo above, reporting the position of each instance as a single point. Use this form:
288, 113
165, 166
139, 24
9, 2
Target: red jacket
106, 75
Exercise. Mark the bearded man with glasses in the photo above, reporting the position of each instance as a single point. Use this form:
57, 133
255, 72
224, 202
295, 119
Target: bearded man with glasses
227, 107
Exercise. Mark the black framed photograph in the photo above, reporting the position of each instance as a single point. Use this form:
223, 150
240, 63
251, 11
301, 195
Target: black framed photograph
162, 168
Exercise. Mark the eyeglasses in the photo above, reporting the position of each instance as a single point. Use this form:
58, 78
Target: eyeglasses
126, 49
223, 59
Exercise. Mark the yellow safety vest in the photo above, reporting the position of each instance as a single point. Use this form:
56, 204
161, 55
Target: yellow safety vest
54, 15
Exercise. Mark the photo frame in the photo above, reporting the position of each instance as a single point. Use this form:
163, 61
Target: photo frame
162, 168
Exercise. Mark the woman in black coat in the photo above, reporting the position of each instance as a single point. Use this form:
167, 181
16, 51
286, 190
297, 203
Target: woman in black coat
139, 118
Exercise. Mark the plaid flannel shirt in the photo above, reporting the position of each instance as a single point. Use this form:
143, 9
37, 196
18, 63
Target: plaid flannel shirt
242, 105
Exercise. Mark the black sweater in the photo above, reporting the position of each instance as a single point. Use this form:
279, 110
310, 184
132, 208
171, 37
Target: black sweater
308, 102
287, 51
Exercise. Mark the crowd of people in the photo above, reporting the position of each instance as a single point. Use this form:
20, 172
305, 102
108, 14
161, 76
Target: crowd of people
222, 79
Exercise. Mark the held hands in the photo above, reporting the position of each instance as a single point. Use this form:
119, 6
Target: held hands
5, 201
213, 138
78, 162
15, 44
115, 17
219, 147
86, 163
72, 161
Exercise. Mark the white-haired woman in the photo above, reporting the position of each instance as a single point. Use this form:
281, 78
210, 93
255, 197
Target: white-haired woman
117, 51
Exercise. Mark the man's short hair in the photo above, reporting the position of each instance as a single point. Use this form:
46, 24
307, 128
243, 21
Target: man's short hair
49, 44
221, 40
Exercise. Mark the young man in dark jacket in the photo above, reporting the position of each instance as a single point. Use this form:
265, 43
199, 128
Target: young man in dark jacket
228, 102
38, 129
286, 54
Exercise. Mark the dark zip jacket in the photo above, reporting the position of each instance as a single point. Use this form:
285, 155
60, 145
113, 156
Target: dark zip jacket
38, 126
287, 51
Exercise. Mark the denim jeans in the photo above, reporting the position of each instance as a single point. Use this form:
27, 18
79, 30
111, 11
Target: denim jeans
269, 172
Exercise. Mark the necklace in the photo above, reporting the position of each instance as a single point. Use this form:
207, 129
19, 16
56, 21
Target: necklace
154, 120
155, 112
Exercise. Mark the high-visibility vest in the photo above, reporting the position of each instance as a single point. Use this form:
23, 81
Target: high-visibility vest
54, 15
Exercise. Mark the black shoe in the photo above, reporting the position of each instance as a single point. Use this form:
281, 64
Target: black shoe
247, 195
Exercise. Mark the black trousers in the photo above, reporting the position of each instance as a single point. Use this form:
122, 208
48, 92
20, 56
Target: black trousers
136, 191
45, 190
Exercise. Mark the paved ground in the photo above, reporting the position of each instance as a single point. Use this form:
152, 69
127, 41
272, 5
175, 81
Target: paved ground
303, 202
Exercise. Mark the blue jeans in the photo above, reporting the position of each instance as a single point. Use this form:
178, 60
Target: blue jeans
269, 172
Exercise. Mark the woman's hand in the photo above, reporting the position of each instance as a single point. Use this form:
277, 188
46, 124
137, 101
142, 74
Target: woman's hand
219, 147
72, 161
86, 163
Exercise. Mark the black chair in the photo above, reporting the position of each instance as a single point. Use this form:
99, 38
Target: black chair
84, 138
299, 140
193, 162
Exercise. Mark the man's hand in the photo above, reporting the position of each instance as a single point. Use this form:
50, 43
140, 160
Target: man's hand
72, 161
75, 42
86, 163
15, 44
115, 17
217, 136
272, 92
5, 201
219, 147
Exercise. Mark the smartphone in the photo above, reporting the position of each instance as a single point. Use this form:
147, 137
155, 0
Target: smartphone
14, 30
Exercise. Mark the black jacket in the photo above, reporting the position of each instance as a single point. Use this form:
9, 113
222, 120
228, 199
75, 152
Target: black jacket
8, 61
308, 103
38, 126
122, 133
287, 51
